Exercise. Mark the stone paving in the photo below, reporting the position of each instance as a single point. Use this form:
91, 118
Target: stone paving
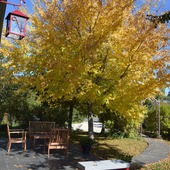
157, 150
37, 159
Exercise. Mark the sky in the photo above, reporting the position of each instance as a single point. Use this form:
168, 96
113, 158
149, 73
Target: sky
11, 8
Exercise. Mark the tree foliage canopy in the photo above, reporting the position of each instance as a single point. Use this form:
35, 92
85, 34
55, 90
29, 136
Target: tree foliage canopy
103, 52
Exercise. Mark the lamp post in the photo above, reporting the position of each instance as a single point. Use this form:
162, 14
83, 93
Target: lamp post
159, 126
2, 14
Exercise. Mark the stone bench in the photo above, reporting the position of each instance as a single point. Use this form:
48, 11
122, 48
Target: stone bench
103, 165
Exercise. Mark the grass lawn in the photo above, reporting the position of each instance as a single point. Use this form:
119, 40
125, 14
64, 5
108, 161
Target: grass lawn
124, 149
162, 165
114, 148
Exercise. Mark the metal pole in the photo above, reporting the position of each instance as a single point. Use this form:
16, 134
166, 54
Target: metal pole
2, 14
159, 126
157, 102
10, 3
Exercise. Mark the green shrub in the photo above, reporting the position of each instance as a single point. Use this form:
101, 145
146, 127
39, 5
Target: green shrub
151, 122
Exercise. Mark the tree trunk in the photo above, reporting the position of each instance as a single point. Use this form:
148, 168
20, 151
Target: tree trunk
103, 128
70, 117
90, 121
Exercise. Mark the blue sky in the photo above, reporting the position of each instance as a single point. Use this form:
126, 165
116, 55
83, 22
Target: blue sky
11, 8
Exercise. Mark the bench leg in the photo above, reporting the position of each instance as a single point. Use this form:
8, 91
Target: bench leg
9, 146
48, 152
25, 146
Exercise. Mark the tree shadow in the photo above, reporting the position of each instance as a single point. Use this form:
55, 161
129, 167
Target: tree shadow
38, 159
107, 151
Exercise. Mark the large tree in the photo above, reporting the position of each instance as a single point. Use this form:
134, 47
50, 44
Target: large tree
99, 52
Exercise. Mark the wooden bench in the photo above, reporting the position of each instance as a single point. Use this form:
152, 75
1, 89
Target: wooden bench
59, 139
103, 165
39, 130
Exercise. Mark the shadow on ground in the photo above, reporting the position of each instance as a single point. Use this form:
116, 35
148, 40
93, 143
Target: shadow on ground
37, 159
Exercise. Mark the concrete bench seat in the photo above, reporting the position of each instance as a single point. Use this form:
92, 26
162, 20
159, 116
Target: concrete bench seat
103, 165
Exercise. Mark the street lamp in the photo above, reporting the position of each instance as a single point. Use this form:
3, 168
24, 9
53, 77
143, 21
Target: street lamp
16, 22
16, 25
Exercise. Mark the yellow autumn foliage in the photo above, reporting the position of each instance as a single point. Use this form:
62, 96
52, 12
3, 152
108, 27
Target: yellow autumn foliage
104, 53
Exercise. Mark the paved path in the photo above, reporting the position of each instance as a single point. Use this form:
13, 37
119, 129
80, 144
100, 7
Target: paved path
38, 160
157, 150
